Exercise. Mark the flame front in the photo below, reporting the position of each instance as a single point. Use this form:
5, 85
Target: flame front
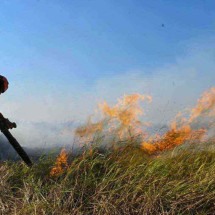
180, 129
122, 120
205, 106
60, 164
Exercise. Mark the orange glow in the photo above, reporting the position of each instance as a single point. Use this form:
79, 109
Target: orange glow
180, 129
205, 105
150, 148
127, 110
122, 120
60, 164
125, 113
89, 128
173, 138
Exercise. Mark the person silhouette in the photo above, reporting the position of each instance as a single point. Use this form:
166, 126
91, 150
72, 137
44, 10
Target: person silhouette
3, 84
3, 87
5, 125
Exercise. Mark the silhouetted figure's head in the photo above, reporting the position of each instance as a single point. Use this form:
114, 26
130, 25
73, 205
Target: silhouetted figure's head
3, 84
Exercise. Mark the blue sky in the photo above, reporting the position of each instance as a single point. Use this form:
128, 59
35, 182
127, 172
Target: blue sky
89, 39
62, 57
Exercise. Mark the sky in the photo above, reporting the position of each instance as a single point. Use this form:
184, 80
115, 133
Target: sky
63, 57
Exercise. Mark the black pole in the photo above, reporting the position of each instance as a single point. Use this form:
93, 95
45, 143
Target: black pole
17, 147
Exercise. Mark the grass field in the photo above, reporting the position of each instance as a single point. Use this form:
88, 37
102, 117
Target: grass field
134, 173
126, 180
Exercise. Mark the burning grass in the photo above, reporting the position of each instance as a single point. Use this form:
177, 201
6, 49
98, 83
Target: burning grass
121, 122
123, 181
123, 170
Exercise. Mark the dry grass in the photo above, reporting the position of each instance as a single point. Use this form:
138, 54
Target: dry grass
123, 181
128, 179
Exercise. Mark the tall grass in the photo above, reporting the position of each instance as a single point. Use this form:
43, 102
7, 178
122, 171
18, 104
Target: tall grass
135, 175
122, 181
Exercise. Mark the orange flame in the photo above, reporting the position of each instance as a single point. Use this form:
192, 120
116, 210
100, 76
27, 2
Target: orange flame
121, 118
60, 164
126, 111
89, 128
181, 130
173, 138
205, 105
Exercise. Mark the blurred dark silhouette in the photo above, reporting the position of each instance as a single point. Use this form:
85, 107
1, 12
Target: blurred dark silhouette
5, 125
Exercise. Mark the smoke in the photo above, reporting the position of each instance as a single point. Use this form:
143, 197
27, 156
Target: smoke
44, 134
6, 152
50, 117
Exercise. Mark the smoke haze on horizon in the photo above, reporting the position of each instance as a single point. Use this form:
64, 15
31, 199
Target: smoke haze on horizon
62, 59
50, 119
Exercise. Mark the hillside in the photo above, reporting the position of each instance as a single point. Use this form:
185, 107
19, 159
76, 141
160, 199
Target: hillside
122, 181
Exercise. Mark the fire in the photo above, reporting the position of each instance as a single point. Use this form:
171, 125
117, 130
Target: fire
205, 105
121, 118
173, 138
180, 129
89, 128
60, 164
150, 148
127, 110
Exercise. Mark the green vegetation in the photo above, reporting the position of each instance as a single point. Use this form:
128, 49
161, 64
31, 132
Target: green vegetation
122, 181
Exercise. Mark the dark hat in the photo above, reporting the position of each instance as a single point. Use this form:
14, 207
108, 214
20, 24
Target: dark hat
3, 84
